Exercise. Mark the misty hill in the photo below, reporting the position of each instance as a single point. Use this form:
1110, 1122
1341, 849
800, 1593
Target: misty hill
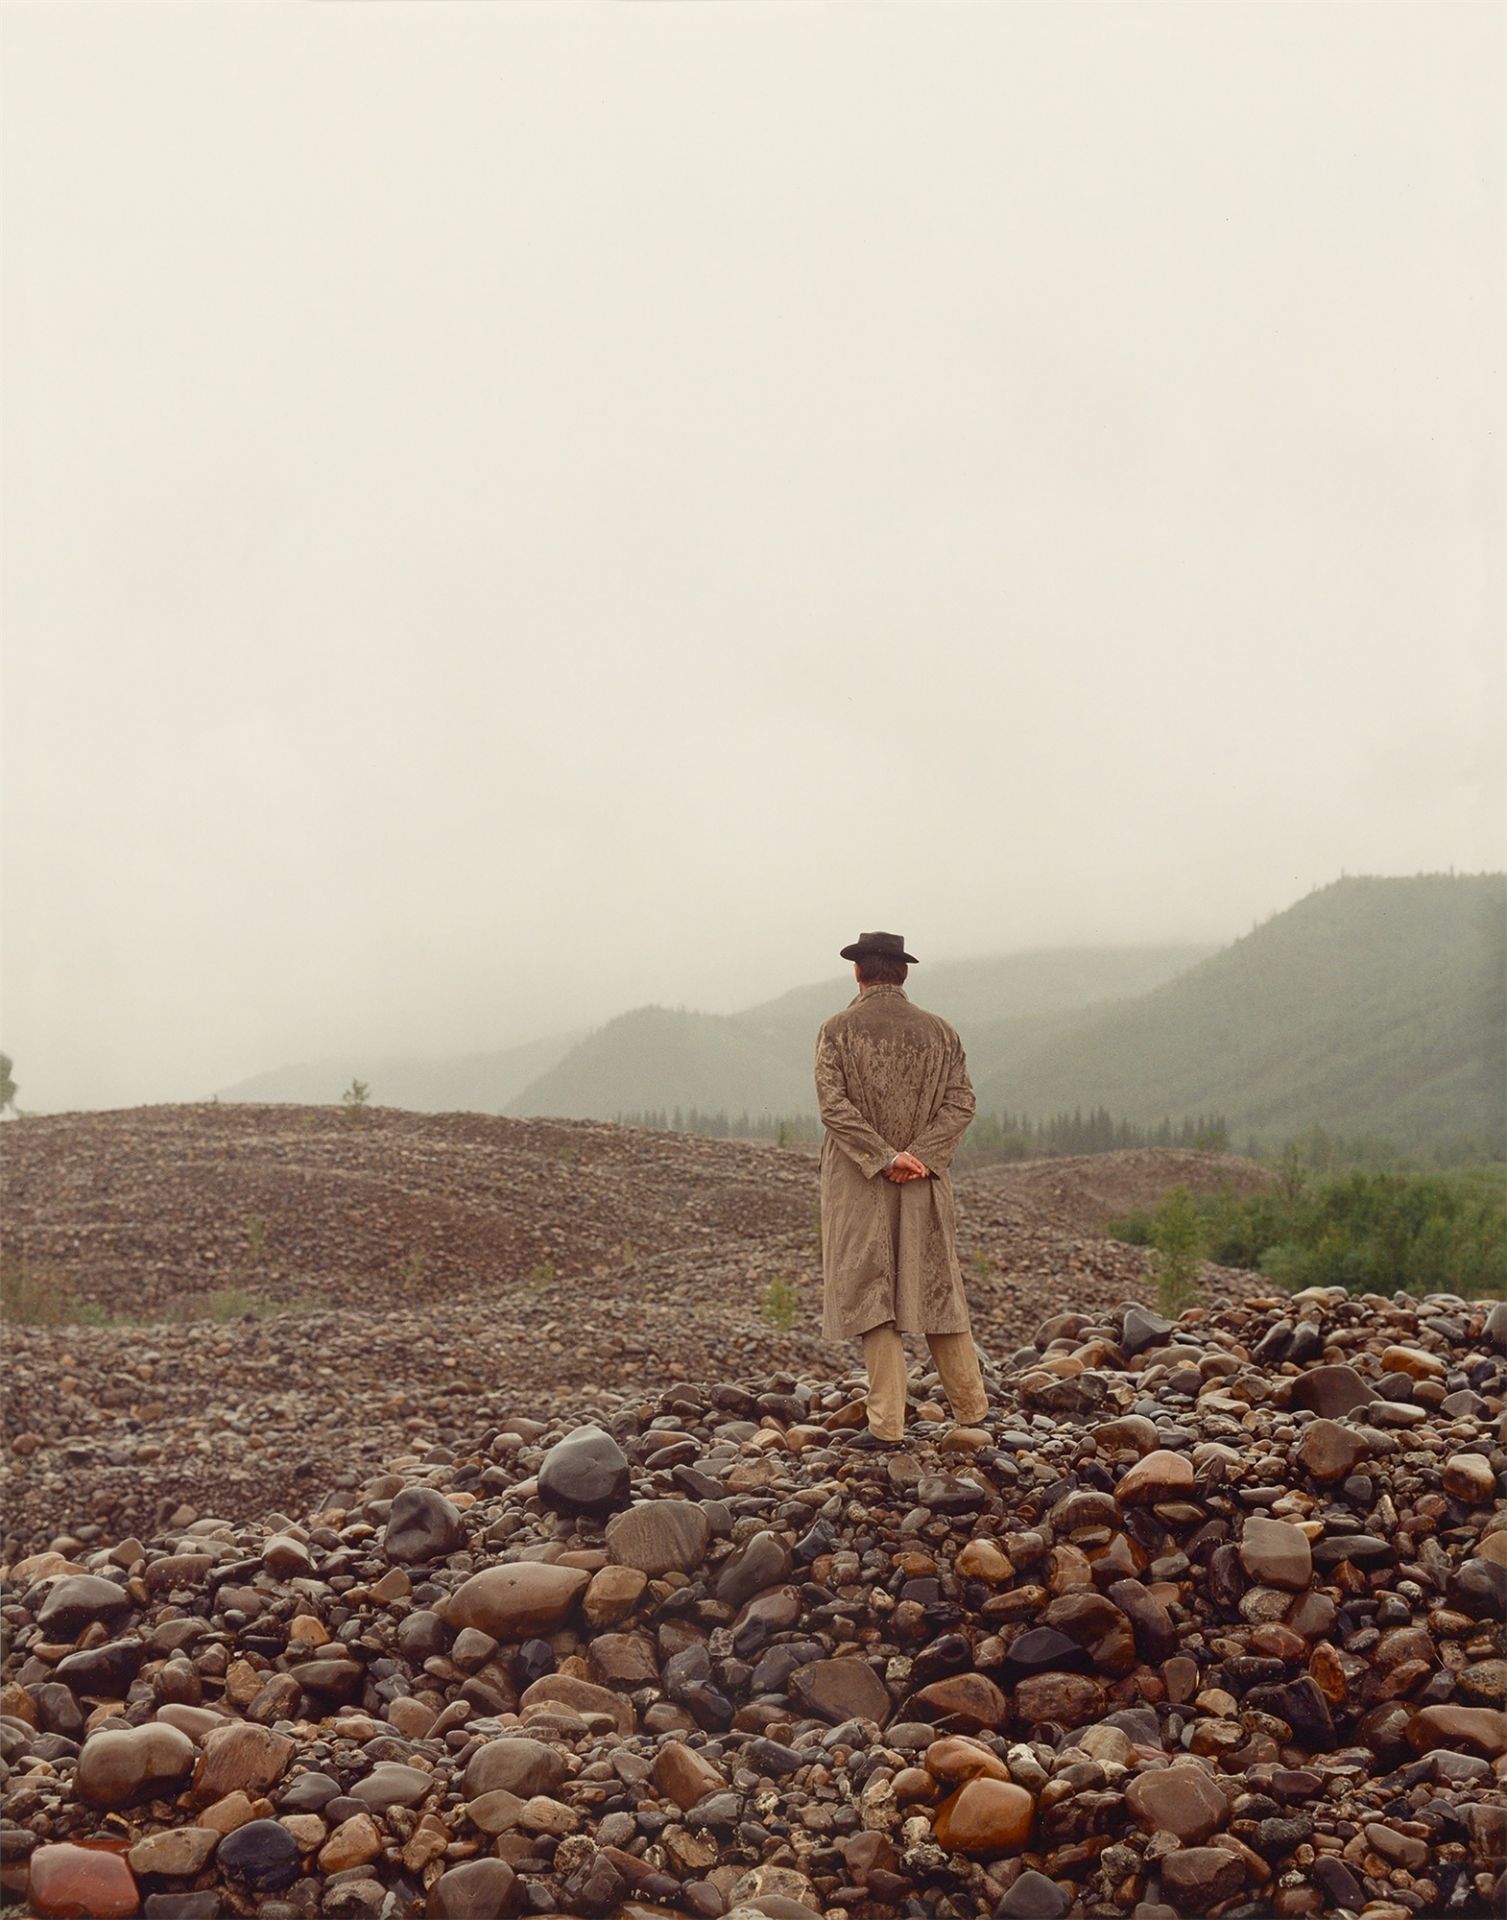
978, 995
1375, 1005
465, 1082
759, 1061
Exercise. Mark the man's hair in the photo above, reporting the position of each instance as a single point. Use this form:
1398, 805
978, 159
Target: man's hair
881, 970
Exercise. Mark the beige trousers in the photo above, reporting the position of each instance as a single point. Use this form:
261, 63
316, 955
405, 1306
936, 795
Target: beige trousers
956, 1361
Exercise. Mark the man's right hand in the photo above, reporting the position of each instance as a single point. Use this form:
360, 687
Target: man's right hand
905, 1166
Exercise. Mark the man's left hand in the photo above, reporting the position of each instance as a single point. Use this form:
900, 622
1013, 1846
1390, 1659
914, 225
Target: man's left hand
905, 1166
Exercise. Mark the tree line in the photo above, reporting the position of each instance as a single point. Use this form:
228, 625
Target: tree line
992, 1137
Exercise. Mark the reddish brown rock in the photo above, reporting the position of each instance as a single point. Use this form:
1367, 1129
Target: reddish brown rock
1069, 1699
1158, 1475
685, 1776
70, 1882
520, 1598
970, 1700
1181, 1800
985, 1817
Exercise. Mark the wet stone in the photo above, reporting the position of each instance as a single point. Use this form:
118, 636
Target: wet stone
1277, 1554
585, 1472
1331, 1391
841, 1689
79, 1600
657, 1537
422, 1525
81, 1883
261, 1854
140, 1763
520, 1598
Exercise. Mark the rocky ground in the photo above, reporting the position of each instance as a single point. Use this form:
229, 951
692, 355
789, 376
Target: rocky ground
1206, 1620
546, 1578
442, 1272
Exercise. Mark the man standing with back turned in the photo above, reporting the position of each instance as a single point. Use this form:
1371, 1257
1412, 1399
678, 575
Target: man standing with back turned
893, 1091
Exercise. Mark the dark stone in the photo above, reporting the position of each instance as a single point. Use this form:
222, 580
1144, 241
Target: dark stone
260, 1854
769, 1757
1271, 1349
536, 1658
78, 1600
1334, 1879
945, 1494
1331, 1391
1156, 1635
421, 1635
307, 1793
1302, 1706
586, 1472
477, 1890
183, 1906
103, 1672
1142, 1329
1033, 1897
764, 1562
1045, 1650
422, 1525
1307, 1344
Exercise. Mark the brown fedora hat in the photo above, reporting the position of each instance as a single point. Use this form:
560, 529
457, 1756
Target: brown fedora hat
891, 944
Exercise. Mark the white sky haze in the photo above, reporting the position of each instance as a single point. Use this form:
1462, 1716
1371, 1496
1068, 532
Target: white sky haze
511, 512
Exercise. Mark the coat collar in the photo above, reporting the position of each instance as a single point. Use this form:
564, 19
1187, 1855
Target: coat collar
882, 987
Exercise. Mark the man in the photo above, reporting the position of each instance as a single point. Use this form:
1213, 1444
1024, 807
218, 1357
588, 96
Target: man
893, 1091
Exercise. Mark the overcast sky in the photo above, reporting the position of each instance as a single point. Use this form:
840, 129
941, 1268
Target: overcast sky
513, 512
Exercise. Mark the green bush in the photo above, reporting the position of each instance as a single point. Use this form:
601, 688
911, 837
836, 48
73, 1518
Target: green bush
1366, 1231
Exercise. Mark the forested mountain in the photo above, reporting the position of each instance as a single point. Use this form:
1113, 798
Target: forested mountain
1375, 1005
759, 1061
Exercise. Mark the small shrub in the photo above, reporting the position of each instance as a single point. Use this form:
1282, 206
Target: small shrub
540, 1275
1177, 1241
355, 1099
411, 1273
781, 1305
983, 1266
1135, 1228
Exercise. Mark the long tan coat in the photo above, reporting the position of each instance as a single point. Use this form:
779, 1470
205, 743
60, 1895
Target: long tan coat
890, 1078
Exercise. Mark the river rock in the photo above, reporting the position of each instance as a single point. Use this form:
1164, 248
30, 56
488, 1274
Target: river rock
118, 1767
1158, 1475
475, 1890
1276, 1554
986, 1817
514, 1764
72, 1881
262, 1854
585, 1472
79, 1601
1180, 1800
517, 1599
1331, 1391
422, 1525
841, 1689
240, 1756
659, 1536
1329, 1452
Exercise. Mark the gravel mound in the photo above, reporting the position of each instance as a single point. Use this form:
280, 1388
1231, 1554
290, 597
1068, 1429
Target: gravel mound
470, 1268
